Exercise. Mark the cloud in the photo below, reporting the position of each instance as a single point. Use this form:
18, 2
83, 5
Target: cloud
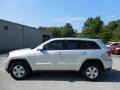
69, 19
112, 17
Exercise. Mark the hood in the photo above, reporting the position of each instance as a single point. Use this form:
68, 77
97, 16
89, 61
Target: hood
20, 52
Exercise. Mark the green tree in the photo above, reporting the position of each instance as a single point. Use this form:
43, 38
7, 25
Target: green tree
56, 32
116, 35
68, 31
92, 27
64, 31
110, 32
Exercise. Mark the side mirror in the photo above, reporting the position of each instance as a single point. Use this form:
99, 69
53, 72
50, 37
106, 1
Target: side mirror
40, 49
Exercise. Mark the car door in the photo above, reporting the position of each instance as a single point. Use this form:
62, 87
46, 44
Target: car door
71, 55
50, 57
76, 51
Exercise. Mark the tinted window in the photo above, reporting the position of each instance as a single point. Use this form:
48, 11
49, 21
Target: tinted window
77, 44
71, 44
118, 44
54, 45
114, 44
88, 45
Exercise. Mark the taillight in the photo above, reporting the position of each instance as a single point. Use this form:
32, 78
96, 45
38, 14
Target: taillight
109, 53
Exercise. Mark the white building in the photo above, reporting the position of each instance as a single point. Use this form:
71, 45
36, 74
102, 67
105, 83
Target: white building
16, 36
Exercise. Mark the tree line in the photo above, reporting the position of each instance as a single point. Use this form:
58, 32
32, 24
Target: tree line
92, 28
64, 31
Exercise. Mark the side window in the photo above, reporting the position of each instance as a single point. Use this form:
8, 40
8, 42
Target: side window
118, 44
114, 44
54, 45
80, 45
71, 45
88, 45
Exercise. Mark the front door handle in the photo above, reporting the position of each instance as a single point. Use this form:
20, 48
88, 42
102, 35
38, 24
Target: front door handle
59, 53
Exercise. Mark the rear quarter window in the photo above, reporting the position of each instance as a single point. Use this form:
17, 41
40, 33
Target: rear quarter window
88, 45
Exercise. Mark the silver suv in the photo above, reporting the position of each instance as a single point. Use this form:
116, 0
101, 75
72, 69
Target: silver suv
88, 56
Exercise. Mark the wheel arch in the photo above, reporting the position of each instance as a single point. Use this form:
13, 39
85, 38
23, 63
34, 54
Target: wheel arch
12, 61
97, 61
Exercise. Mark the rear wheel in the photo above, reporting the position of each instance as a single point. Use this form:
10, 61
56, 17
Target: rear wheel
92, 71
19, 70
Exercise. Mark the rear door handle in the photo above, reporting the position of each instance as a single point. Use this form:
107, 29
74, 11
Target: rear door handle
55, 53
59, 53
82, 53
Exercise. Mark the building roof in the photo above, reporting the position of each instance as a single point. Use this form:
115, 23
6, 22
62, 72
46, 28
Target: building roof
1, 20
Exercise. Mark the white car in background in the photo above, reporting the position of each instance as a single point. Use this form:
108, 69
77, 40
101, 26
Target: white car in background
88, 56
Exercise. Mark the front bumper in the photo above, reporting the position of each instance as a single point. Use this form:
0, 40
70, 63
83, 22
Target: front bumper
6, 63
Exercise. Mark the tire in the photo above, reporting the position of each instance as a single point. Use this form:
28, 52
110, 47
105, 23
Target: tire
19, 70
92, 71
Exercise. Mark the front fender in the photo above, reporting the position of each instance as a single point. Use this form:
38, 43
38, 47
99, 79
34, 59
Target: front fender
29, 61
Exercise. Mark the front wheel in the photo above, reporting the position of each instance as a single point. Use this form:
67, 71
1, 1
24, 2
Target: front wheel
19, 70
92, 72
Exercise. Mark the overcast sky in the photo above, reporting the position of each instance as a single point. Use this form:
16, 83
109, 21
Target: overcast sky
58, 12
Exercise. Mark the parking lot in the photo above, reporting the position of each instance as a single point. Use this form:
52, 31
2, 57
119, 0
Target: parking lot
61, 81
